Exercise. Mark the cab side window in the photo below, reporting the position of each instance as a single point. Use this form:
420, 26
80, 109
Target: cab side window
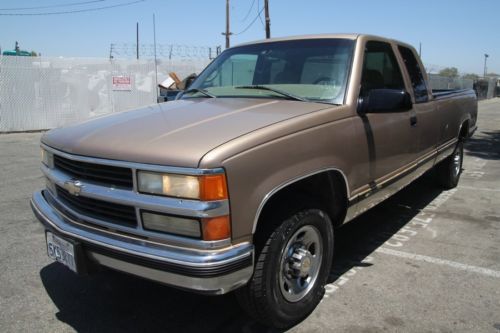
380, 69
415, 72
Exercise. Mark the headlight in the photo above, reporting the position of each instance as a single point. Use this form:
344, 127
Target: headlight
170, 185
206, 187
47, 158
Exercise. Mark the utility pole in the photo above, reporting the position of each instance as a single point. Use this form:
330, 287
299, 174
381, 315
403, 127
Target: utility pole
268, 20
137, 40
420, 50
228, 32
111, 51
485, 68
156, 62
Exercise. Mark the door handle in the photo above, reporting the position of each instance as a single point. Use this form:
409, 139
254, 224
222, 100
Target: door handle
413, 121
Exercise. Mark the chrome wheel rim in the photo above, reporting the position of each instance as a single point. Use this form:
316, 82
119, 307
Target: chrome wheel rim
457, 162
300, 263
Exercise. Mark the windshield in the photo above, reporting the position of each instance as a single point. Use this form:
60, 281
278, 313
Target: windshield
311, 69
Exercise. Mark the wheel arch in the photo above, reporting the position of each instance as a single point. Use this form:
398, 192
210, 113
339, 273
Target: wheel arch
333, 193
463, 131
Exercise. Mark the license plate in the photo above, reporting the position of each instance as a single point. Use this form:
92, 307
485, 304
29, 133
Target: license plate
61, 251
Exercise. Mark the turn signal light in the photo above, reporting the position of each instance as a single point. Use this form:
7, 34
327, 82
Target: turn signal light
216, 228
213, 187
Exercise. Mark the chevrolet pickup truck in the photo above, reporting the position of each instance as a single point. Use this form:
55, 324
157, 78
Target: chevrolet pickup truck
240, 183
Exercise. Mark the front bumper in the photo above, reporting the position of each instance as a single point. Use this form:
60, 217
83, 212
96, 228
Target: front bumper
205, 271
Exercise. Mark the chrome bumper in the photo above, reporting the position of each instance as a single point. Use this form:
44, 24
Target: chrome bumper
206, 271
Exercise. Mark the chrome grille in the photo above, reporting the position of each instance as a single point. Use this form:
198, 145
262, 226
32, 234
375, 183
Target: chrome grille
100, 173
98, 209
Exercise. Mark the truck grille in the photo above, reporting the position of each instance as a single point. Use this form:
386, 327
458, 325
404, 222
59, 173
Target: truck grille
104, 174
98, 209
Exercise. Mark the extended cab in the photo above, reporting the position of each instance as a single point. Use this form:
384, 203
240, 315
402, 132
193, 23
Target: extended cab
240, 183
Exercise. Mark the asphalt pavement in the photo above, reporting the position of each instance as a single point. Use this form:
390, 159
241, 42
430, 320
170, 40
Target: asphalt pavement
425, 260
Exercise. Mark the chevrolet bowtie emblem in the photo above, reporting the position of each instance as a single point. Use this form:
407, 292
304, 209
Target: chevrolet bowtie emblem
74, 187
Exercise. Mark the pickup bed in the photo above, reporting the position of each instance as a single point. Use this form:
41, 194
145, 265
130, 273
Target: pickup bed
240, 183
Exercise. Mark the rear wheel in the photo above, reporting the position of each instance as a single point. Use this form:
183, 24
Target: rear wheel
291, 270
448, 171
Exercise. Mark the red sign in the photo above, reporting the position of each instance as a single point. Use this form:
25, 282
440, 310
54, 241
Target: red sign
121, 83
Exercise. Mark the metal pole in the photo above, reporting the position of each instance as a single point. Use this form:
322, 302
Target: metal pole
268, 20
137, 40
156, 64
420, 50
227, 33
485, 68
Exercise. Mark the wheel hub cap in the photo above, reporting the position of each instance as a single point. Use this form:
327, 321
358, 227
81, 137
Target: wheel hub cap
300, 263
457, 163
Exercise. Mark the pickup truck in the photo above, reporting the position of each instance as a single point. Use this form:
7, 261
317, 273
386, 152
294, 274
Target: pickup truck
240, 183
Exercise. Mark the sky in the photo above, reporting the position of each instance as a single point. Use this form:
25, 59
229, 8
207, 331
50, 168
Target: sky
453, 33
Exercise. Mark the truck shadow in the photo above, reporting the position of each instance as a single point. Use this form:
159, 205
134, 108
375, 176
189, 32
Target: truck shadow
358, 239
112, 301
485, 145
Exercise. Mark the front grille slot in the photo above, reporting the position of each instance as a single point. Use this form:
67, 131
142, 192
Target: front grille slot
98, 209
104, 174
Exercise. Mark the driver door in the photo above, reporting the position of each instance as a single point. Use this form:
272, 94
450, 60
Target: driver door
390, 136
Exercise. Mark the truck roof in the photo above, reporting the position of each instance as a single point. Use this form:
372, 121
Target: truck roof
351, 36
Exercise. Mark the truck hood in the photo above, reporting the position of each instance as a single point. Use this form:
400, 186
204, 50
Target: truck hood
175, 133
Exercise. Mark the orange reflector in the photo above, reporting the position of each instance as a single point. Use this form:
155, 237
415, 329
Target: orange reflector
216, 228
213, 187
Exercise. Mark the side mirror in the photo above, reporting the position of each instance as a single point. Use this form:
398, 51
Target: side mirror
385, 100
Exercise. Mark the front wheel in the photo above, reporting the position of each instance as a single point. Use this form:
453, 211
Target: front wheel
448, 171
291, 270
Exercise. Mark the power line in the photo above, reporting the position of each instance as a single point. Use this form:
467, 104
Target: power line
249, 10
54, 6
74, 11
251, 23
260, 18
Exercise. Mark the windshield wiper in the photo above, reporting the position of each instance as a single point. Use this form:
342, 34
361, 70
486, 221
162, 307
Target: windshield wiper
278, 91
202, 91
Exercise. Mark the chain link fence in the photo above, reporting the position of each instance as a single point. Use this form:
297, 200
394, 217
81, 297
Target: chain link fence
443, 82
485, 87
165, 51
41, 93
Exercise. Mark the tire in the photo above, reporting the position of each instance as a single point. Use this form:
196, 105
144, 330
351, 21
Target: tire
291, 270
449, 170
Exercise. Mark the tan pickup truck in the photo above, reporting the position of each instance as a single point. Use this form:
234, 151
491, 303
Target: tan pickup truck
240, 183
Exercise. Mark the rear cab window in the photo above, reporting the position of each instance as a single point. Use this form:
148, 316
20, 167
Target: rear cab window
239, 69
415, 71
